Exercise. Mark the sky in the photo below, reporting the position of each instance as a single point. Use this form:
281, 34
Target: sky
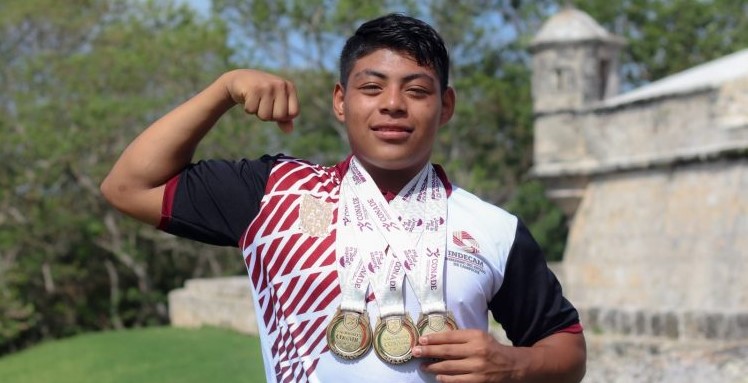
203, 6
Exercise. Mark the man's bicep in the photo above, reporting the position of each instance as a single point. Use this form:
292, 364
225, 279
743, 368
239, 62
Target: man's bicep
142, 204
573, 342
150, 206
565, 356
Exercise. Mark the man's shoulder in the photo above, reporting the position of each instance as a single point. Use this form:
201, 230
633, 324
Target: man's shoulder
282, 162
483, 220
471, 204
293, 173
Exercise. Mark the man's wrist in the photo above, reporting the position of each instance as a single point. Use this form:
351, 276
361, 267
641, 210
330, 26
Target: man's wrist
527, 363
223, 85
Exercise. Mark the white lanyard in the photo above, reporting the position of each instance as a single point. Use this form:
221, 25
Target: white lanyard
351, 265
416, 239
427, 274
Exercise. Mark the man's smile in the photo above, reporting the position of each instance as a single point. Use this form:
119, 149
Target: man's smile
392, 132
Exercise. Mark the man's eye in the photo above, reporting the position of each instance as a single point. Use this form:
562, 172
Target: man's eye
370, 87
419, 92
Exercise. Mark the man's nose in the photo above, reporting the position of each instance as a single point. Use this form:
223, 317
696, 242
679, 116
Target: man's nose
393, 101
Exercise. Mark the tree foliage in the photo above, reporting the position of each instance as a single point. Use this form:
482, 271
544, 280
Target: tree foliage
80, 80
669, 36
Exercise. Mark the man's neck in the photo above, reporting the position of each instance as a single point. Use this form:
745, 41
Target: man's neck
391, 180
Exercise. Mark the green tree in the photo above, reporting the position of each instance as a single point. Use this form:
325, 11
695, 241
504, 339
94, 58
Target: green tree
666, 37
80, 80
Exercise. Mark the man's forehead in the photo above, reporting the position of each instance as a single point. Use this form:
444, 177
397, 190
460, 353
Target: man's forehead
387, 63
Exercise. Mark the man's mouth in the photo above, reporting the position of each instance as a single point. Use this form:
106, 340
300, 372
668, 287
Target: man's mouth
392, 128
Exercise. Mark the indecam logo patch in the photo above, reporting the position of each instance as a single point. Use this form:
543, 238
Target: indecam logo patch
467, 257
466, 242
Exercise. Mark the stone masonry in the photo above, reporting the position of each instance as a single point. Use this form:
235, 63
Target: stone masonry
654, 181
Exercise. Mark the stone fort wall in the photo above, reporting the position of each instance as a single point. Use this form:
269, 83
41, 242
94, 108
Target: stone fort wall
601, 139
663, 252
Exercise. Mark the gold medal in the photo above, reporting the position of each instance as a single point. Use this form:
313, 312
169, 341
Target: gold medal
436, 322
394, 338
349, 334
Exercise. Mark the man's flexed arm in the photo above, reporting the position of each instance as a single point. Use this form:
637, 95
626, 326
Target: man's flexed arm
135, 185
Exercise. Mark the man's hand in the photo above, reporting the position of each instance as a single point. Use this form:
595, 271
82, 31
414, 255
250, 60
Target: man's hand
476, 356
468, 356
269, 97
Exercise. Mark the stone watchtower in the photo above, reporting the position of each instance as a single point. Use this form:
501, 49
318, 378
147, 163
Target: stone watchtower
655, 179
575, 65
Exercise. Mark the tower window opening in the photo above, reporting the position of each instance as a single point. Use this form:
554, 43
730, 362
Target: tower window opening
603, 73
559, 79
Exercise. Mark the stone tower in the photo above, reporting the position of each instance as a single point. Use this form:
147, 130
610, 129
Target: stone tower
575, 63
575, 66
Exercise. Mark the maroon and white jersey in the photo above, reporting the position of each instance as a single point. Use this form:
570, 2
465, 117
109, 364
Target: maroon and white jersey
282, 212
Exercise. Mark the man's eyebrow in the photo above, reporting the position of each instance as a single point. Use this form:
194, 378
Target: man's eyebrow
408, 78
419, 76
370, 72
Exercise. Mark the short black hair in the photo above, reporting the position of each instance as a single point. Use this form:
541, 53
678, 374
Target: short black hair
400, 33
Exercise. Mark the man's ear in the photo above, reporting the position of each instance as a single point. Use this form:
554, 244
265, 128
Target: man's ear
338, 102
449, 98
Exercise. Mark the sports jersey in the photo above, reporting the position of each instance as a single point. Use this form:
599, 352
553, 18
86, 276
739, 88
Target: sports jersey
281, 212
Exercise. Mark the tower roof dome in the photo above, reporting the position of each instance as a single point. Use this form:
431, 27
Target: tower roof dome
572, 25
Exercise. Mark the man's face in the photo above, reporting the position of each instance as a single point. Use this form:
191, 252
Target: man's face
392, 109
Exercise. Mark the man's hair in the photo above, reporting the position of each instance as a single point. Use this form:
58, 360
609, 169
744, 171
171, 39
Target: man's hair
402, 34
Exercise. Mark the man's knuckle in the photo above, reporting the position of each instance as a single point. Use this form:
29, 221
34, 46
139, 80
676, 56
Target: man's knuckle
481, 351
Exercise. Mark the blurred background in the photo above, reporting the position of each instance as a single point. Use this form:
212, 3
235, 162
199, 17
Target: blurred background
80, 79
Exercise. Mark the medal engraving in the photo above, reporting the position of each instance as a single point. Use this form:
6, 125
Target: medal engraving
395, 338
349, 334
436, 322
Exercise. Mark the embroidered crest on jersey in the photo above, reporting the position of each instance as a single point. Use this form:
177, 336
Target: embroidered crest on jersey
315, 216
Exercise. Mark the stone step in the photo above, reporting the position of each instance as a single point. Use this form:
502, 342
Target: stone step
222, 286
220, 302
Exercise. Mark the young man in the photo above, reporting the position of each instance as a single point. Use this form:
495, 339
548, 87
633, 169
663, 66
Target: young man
344, 259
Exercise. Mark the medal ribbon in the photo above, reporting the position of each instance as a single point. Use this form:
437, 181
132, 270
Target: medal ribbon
425, 221
416, 238
383, 266
352, 269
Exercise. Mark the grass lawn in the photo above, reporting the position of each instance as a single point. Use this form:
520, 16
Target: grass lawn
161, 354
